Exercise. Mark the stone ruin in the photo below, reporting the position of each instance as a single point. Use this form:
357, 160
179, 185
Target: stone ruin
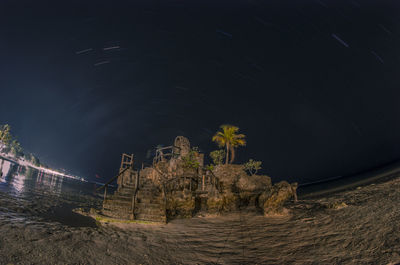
177, 185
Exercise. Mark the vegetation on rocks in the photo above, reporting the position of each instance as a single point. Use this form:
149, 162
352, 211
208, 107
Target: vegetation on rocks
252, 166
182, 207
188, 186
190, 160
217, 156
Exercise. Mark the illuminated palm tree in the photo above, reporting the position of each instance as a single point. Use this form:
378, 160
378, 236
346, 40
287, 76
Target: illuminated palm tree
229, 139
238, 140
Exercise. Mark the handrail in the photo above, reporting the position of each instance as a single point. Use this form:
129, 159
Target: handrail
133, 204
112, 179
168, 147
160, 154
217, 181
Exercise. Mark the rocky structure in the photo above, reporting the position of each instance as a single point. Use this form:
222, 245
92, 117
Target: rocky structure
238, 189
271, 201
177, 185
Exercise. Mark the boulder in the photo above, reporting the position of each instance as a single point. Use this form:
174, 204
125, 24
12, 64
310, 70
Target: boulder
238, 188
255, 183
251, 187
272, 201
225, 202
228, 175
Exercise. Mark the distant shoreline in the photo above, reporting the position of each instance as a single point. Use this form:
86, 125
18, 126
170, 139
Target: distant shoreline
23, 162
336, 185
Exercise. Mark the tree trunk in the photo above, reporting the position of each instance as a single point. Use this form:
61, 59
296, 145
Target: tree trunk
227, 154
232, 154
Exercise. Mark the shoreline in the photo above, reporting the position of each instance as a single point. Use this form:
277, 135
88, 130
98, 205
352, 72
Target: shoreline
377, 176
24, 163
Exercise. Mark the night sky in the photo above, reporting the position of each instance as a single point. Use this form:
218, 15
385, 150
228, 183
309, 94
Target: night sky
313, 84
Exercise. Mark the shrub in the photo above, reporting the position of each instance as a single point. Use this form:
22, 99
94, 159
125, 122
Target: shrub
252, 166
218, 156
190, 160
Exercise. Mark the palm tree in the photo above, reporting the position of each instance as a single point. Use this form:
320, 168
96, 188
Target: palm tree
230, 140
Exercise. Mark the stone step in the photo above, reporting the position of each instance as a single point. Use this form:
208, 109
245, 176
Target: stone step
149, 200
121, 197
128, 187
159, 212
117, 214
124, 193
148, 217
118, 203
145, 205
130, 184
142, 193
149, 189
115, 208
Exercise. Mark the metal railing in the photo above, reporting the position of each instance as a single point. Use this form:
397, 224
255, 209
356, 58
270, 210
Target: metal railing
164, 152
210, 179
110, 181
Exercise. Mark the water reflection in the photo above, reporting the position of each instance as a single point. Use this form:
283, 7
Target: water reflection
5, 167
51, 182
22, 181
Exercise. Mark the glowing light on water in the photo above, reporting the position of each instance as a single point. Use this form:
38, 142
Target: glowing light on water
5, 167
18, 181
51, 182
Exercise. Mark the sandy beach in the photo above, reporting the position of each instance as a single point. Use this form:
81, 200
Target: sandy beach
43, 230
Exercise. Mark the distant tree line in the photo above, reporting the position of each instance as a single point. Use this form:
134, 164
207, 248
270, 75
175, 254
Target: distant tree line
10, 145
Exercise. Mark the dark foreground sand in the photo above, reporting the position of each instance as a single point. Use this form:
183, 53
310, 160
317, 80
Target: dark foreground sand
367, 231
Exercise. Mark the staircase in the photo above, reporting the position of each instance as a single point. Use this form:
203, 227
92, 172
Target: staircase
149, 205
119, 205
149, 202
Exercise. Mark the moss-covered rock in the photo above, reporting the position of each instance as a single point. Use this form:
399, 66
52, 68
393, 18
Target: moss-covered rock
225, 202
230, 202
251, 187
215, 204
180, 206
254, 183
272, 201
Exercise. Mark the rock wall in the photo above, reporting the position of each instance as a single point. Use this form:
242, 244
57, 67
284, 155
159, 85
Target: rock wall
238, 189
272, 201
180, 205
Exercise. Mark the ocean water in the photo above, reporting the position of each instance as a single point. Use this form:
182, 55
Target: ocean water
47, 196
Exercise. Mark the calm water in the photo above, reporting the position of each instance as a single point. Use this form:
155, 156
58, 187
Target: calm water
48, 196
25, 181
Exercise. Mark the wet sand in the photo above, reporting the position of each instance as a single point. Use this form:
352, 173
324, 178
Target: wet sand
367, 231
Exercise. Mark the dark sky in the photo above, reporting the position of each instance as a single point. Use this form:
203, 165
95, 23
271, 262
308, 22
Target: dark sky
313, 84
